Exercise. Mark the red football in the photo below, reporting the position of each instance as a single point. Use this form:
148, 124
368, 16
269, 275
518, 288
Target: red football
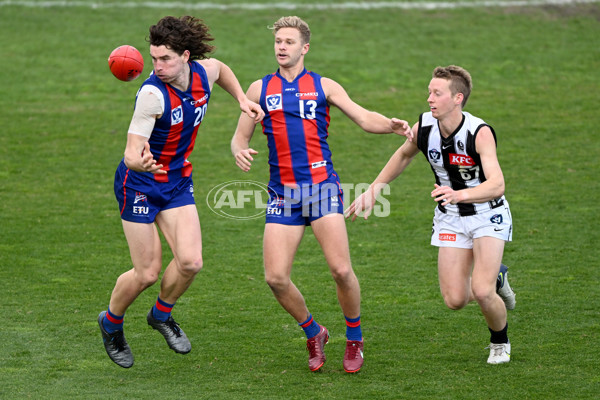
126, 63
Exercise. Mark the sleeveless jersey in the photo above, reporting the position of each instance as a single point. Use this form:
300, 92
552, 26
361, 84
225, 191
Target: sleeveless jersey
454, 161
174, 134
295, 123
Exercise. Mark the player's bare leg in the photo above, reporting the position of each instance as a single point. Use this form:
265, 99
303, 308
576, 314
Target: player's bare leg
280, 244
488, 256
279, 247
488, 253
181, 228
145, 250
331, 233
146, 256
454, 275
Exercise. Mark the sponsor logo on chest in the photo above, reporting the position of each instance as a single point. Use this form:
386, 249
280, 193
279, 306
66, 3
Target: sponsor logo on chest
461, 160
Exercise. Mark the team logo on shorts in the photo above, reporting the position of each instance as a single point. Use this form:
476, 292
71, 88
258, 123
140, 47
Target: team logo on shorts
434, 155
142, 207
274, 102
176, 115
496, 219
139, 197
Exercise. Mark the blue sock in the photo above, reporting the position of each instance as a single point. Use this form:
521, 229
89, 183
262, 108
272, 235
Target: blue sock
353, 330
112, 322
311, 328
161, 310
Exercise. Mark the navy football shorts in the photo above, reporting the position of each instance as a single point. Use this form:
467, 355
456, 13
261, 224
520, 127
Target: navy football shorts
140, 200
306, 203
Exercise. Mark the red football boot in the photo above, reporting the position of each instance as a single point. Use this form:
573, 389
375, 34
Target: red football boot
316, 356
353, 359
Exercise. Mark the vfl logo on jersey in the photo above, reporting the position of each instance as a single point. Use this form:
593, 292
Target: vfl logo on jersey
274, 102
461, 160
318, 164
176, 115
447, 237
434, 155
496, 219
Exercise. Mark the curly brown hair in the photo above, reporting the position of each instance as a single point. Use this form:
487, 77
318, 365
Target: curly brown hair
181, 34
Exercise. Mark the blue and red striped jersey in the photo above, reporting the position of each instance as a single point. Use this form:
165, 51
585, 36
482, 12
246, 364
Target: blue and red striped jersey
174, 134
296, 125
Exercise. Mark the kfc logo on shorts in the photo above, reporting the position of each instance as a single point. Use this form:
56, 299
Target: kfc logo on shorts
176, 115
274, 102
447, 237
462, 160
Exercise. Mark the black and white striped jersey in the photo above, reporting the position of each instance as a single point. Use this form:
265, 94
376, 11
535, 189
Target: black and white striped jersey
454, 160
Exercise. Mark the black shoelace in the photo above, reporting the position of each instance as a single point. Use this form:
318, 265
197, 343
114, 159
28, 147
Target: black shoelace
174, 326
118, 340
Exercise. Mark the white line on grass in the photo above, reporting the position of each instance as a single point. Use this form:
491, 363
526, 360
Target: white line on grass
358, 5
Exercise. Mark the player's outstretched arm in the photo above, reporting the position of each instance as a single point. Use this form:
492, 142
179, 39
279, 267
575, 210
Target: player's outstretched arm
224, 77
394, 167
243, 133
370, 121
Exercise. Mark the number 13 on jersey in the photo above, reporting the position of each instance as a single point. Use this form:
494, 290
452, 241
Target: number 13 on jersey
307, 109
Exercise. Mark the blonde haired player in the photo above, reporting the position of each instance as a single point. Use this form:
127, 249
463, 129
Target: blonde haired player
305, 187
472, 220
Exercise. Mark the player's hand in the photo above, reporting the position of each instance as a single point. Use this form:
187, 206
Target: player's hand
253, 110
445, 195
363, 203
401, 127
243, 159
149, 163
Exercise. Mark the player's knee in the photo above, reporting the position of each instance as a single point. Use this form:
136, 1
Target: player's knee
277, 282
147, 278
191, 266
342, 273
455, 301
483, 294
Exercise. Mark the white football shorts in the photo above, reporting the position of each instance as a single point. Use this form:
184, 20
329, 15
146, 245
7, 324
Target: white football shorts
456, 231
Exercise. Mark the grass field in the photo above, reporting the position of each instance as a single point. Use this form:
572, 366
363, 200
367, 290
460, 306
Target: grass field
64, 121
